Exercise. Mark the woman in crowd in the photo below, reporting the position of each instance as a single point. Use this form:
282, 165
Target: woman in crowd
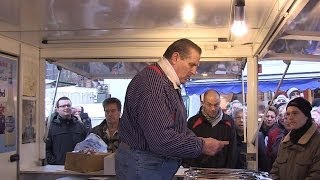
239, 119
276, 134
299, 152
268, 122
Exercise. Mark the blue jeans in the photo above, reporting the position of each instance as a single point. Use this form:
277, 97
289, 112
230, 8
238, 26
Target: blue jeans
143, 165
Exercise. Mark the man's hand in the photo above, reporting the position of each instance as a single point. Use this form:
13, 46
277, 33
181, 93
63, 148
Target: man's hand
78, 117
211, 146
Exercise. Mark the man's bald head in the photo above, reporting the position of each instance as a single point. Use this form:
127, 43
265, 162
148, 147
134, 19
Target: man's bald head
211, 103
211, 94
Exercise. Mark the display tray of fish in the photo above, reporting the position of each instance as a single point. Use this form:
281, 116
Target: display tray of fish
213, 173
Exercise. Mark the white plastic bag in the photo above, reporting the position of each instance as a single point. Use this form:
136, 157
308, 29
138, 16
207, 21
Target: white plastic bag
92, 144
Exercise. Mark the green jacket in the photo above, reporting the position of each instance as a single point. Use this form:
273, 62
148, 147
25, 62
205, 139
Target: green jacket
298, 161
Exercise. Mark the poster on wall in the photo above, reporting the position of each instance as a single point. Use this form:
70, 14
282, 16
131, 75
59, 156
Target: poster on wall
28, 121
2, 119
8, 104
29, 77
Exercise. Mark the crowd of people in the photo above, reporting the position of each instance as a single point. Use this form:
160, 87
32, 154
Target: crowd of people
153, 137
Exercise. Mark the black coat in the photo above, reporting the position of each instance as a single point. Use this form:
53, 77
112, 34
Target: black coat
63, 136
224, 131
86, 120
241, 153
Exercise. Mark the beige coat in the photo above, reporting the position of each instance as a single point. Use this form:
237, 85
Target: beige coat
298, 161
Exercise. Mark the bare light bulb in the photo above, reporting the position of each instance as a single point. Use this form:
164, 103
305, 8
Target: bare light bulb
188, 13
239, 28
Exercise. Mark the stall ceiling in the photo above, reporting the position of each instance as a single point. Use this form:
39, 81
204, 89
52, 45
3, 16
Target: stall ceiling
299, 38
71, 33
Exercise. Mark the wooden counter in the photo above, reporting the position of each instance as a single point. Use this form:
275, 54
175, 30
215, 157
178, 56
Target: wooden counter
53, 172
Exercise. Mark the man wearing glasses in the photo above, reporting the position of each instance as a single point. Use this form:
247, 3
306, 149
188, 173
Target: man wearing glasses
65, 132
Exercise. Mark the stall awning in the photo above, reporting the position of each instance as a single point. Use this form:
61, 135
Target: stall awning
263, 86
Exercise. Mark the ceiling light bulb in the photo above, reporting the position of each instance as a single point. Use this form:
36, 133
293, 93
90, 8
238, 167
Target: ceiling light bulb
188, 13
239, 28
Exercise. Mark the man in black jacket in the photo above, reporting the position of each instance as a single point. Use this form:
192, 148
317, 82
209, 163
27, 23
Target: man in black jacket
212, 122
65, 131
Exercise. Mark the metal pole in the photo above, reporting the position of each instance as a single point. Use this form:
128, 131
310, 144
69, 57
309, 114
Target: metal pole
52, 105
267, 109
244, 109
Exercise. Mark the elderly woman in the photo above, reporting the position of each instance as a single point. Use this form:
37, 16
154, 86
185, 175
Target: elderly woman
237, 115
299, 152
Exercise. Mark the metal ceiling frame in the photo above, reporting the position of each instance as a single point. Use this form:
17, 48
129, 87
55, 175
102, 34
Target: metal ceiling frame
288, 56
302, 35
72, 68
62, 63
208, 51
287, 14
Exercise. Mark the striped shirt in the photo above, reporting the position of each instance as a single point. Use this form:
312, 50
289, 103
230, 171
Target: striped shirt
154, 118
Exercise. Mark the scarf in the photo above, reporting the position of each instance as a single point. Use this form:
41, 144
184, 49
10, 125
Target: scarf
170, 72
213, 120
296, 134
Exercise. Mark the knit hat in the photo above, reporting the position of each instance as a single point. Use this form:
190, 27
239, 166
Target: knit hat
291, 90
281, 99
302, 104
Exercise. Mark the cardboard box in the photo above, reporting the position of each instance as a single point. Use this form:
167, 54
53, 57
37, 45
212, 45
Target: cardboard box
109, 165
84, 162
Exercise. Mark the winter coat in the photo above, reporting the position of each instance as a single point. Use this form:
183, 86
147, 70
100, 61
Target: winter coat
275, 136
86, 120
241, 162
101, 131
223, 131
301, 160
63, 136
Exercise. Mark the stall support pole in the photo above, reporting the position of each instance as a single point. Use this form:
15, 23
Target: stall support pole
52, 105
253, 140
244, 114
252, 116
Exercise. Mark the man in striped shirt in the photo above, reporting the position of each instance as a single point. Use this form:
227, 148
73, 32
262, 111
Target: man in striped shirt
153, 128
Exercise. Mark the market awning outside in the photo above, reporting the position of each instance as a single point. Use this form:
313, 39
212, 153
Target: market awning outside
302, 75
263, 85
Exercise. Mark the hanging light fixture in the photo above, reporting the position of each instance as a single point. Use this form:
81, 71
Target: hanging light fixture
188, 13
239, 26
